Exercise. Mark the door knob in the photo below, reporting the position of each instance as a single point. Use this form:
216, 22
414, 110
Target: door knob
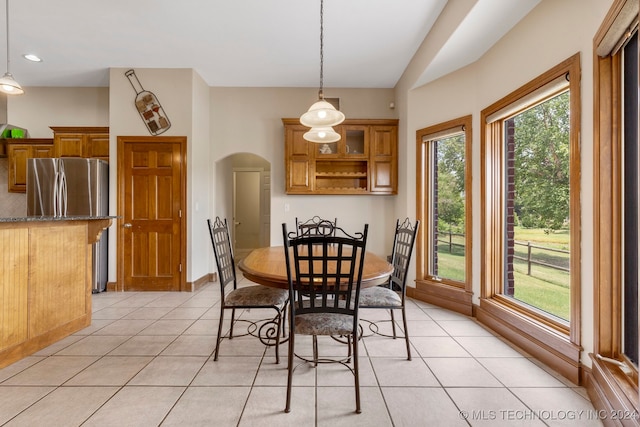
127, 225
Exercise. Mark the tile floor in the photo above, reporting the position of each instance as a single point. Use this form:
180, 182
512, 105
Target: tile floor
146, 360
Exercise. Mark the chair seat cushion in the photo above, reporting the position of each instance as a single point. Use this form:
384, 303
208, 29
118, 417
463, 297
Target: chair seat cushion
324, 324
256, 296
379, 296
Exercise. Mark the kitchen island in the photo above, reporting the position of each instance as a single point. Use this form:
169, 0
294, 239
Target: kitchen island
45, 280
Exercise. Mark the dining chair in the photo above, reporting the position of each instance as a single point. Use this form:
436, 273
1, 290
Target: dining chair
256, 296
324, 274
391, 295
316, 225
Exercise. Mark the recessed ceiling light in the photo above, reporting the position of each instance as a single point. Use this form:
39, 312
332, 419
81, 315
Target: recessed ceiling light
32, 57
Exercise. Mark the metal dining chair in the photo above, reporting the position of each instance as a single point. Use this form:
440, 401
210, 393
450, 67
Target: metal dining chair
315, 225
325, 274
256, 296
391, 295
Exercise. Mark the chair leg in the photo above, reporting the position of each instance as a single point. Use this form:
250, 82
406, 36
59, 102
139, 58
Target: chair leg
219, 338
356, 373
393, 324
315, 350
279, 326
287, 407
406, 333
233, 320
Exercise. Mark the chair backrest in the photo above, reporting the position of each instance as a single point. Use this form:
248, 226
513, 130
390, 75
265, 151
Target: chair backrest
403, 241
316, 225
325, 271
219, 232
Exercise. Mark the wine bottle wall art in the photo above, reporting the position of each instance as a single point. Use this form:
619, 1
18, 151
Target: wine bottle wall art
149, 107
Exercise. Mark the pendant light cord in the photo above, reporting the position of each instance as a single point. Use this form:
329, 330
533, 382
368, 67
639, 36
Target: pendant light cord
7, 17
320, 92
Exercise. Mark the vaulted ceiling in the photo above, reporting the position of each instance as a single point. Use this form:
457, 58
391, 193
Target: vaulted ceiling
249, 43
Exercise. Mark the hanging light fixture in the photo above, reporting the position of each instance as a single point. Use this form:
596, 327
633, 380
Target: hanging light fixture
321, 134
7, 84
321, 116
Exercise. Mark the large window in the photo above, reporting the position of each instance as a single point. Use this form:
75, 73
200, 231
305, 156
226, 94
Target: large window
530, 231
630, 200
537, 192
444, 209
616, 193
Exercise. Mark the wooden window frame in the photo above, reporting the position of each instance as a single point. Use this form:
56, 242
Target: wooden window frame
554, 343
450, 294
608, 386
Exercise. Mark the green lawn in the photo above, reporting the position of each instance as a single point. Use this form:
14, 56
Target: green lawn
546, 288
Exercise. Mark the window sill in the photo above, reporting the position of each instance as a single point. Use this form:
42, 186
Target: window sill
547, 344
451, 297
614, 393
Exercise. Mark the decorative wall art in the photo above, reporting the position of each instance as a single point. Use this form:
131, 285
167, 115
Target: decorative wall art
149, 107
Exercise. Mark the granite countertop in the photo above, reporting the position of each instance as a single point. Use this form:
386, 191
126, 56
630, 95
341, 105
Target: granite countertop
55, 218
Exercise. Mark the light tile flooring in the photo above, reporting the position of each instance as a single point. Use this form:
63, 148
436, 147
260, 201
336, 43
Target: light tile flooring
146, 360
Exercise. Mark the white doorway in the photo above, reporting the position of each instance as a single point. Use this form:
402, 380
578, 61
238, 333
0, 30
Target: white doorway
251, 209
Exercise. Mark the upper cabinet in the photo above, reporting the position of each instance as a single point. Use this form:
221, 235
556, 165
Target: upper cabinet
88, 142
18, 151
363, 161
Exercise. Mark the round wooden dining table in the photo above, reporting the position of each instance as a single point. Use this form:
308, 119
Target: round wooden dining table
267, 266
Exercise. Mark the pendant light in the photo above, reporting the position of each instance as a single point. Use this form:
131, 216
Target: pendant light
321, 134
321, 116
7, 84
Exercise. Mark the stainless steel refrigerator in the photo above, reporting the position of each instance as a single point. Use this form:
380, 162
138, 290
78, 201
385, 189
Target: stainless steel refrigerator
68, 187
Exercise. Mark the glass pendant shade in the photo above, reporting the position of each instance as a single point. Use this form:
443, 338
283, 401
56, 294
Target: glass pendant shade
321, 134
321, 114
9, 86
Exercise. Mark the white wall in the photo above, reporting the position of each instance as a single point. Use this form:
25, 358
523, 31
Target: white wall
551, 33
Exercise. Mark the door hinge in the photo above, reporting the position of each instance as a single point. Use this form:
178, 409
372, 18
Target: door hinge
180, 268
180, 213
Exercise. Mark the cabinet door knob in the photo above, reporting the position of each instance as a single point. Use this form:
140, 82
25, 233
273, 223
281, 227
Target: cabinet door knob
127, 225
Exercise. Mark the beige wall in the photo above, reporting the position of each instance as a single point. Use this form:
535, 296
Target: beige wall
540, 41
41, 107
248, 120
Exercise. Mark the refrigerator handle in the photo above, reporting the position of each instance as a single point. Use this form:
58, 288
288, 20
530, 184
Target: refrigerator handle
63, 194
56, 180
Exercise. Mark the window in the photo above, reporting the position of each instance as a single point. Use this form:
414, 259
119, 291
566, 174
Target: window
530, 231
616, 216
443, 206
537, 191
630, 200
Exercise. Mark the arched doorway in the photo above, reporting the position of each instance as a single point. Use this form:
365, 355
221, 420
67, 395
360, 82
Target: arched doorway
247, 201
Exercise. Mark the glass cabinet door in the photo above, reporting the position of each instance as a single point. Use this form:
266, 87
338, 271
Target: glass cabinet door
326, 150
356, 141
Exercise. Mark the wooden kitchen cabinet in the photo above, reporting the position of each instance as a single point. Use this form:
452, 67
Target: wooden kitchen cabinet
18, 151
87, 142
363, 161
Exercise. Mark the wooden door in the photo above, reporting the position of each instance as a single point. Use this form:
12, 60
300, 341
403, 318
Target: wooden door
151, 204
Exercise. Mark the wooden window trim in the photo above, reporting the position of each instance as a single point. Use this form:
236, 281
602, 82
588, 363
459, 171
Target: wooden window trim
450, 294
608, 387
551, 341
